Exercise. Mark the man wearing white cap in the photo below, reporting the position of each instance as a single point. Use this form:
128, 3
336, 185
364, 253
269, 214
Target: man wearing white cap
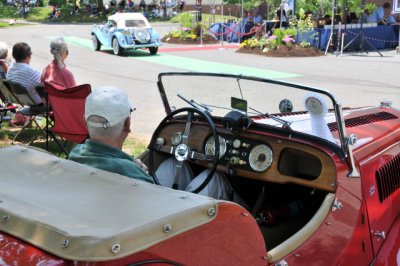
107, 116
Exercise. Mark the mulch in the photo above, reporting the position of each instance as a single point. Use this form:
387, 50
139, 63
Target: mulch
207, 39
283, 51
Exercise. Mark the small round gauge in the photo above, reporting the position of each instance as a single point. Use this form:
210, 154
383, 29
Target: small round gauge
260, 158
236, 143
210, 146
176, 138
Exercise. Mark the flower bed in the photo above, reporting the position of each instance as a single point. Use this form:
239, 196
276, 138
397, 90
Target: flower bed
283, 51
188, 34
282, 42
207, 39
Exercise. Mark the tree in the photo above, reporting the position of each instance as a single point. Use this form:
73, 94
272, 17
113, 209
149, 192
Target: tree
247, 4
100, 5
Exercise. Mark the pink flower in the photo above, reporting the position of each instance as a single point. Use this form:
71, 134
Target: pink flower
272, 37
185, 28
288, 39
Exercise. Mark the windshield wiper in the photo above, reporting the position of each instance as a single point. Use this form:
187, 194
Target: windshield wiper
196, 105
285, 123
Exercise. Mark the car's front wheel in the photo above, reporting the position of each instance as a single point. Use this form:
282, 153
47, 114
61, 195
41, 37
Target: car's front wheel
96, 43
116, 48
153, 50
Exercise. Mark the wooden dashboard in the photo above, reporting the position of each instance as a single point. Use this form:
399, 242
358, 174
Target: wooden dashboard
290, 162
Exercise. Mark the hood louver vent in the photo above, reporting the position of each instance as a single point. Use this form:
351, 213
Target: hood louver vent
363, 120
388, 178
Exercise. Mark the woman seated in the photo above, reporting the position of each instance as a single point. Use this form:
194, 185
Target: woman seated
4, 60
57, 14
56, 71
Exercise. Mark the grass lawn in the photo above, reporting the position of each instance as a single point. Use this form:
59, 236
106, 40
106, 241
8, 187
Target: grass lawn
5, 24
132, 145
41, 13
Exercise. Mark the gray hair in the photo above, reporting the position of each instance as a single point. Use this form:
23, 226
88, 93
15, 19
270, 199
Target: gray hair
59, 48
3, 50
101, 132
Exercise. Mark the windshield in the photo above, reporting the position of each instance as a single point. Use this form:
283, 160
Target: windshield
264, 98
135, 23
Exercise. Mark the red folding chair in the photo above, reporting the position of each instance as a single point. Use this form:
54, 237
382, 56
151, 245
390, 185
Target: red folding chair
68, 110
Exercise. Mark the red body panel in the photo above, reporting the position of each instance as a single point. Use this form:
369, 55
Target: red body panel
16, 252
339, 240
381, 214
390, 249
234, 229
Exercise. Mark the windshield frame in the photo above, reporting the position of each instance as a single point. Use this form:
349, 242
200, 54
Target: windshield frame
336, 104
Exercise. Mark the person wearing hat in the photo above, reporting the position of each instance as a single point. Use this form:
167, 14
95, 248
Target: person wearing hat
257, 18
107, 116
108, 119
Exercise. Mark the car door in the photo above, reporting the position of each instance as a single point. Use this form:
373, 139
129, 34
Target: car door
381, 184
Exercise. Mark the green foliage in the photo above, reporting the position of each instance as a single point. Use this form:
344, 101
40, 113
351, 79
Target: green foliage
59, 3
371, 7
255, 43
247, 4
279, 35
309, 5
304, 27
185, 20
263, 42
324, 7
291, 31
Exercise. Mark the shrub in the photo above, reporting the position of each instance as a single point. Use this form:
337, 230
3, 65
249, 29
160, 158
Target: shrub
305, 28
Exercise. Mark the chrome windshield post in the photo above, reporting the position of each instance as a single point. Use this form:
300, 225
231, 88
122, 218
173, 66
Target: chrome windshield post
347, 143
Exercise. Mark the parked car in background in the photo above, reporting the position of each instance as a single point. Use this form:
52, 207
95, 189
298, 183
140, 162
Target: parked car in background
320, 185
125, 31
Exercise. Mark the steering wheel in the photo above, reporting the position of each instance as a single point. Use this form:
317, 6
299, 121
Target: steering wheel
182, 151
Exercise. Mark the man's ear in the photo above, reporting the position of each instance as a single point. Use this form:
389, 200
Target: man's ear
127, 125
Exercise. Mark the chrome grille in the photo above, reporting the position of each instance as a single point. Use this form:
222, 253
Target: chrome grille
388, 178
363, 120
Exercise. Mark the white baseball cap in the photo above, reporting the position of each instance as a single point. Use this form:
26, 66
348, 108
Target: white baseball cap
110, 103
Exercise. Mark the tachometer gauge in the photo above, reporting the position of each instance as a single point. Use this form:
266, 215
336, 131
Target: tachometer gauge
210, 146
260, 158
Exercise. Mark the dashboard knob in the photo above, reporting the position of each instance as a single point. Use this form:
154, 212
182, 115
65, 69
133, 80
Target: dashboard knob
245, 145
234, 160
234, 151
236, 143
160, 141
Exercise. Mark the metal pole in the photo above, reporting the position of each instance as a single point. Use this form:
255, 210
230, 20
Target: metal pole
398, 46
242, 10
280, 19
222, 15
23, 7
332, 27
201, 33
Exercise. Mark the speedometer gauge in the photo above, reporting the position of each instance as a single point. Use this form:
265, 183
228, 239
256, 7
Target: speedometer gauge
260, 158
210, 146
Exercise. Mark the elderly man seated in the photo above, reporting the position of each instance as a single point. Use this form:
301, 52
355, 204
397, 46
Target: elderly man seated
107, 115
22, 73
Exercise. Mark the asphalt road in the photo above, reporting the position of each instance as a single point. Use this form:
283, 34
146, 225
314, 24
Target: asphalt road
356, 79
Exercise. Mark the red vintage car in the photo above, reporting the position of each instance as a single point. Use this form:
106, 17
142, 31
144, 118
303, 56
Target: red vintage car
321, 185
